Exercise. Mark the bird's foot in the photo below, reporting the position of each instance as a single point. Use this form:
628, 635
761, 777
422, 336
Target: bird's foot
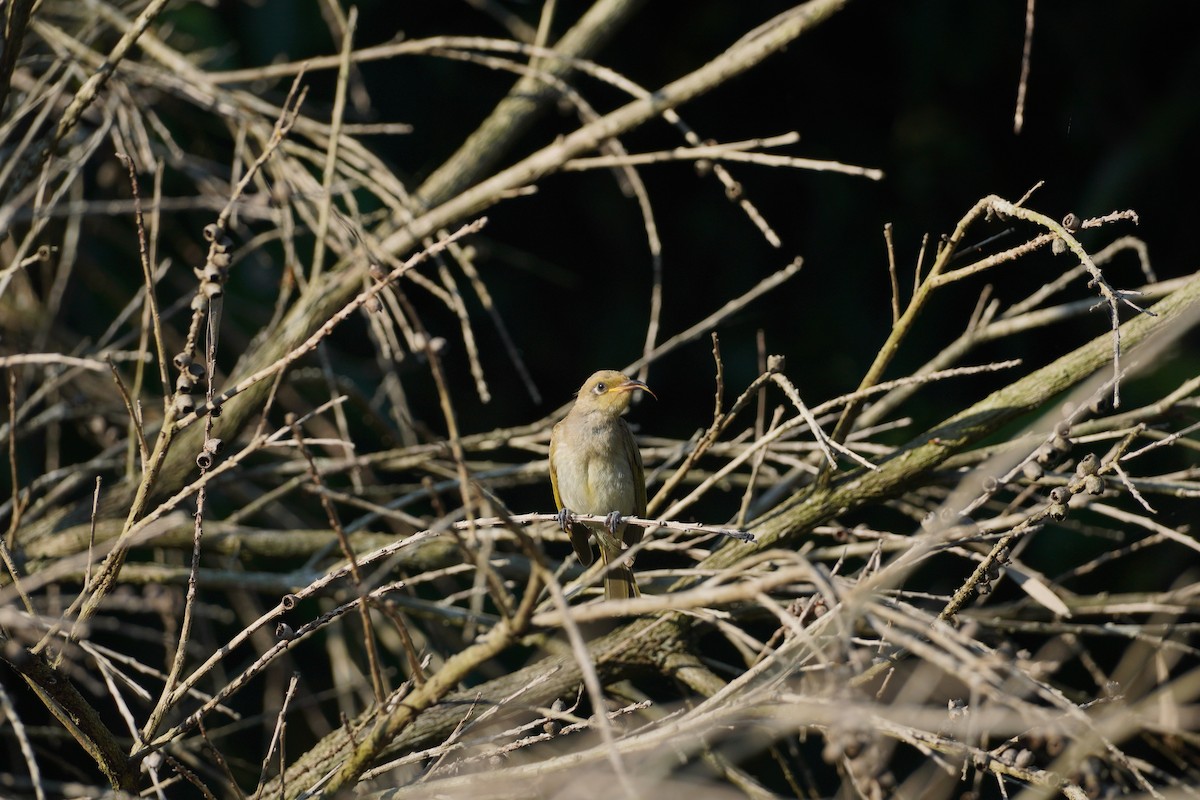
613, 521
564, 519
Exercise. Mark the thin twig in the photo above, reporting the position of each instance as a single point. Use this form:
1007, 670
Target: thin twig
1023, 82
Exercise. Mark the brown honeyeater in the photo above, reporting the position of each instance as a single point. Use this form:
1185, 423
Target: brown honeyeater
596, 469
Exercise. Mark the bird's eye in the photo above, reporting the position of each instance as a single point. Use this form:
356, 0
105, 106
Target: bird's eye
600, 388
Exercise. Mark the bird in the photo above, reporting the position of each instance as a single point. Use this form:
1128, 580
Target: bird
596, 469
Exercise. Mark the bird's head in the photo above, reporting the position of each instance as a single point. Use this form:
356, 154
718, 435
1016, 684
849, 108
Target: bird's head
608, 392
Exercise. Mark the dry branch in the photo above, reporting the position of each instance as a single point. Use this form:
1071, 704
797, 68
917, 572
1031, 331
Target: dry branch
309, 549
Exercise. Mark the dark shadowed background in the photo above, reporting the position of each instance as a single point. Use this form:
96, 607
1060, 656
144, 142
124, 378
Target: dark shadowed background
925, 91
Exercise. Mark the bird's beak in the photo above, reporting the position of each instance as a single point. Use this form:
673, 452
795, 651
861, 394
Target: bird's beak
630, 385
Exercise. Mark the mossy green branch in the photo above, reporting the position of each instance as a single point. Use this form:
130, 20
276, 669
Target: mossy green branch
783, 526
78, 717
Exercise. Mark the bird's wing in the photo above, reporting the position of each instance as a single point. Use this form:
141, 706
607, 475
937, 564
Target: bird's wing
633, 533
554, 472
578, 533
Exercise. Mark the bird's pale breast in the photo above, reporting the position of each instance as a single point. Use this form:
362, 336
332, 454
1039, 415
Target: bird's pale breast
589, 481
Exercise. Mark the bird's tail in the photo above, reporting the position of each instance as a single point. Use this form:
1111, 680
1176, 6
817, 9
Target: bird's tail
619, 583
